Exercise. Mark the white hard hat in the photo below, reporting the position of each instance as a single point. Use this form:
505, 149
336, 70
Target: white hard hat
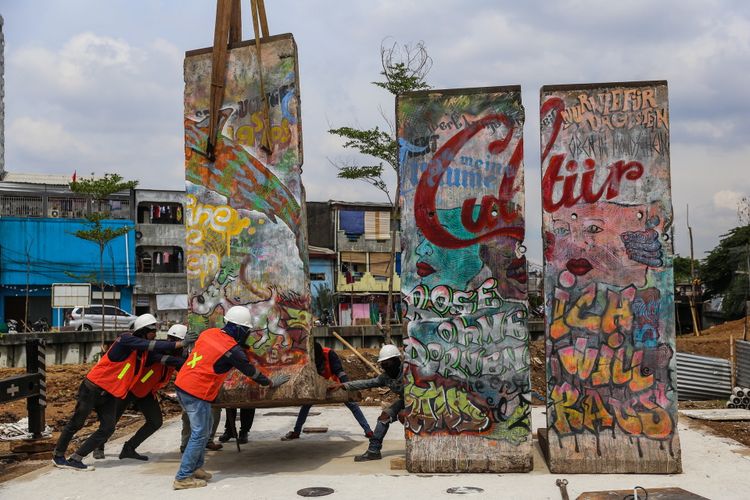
143, 321
239, 315
177, 331
388, 351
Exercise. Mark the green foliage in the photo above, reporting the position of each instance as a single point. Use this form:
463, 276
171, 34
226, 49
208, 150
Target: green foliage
723, 271
323, 300
399, 78
404, 70
682, 269
100, 189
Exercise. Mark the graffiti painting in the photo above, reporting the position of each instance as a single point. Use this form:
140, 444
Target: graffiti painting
610, 331
464, 280
244, 212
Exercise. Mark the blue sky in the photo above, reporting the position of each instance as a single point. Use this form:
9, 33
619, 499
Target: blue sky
96, 86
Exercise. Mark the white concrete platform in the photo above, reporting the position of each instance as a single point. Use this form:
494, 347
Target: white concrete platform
268, 468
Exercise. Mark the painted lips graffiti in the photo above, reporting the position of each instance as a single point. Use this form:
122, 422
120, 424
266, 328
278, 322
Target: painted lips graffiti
464, 281
611, 393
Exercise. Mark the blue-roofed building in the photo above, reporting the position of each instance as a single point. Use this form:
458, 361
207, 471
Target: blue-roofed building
39, 216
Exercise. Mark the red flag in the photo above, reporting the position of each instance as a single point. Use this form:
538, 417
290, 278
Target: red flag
74, 175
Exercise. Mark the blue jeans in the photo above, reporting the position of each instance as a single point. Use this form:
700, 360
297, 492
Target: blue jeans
199, 414
353, 407
385, 420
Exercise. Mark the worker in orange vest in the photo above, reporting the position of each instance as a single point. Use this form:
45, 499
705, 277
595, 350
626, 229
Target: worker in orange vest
328, 365
198, 382
108, 381
156, 373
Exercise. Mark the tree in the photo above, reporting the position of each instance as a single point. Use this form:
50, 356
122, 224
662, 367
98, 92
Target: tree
724, 270
99, 190
682, 269
404, 69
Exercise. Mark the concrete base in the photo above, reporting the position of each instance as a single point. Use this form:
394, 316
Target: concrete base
615, 457
464, 453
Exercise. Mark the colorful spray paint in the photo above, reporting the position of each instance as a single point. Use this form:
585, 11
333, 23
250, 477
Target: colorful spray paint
245, 214
464, 280
610, 333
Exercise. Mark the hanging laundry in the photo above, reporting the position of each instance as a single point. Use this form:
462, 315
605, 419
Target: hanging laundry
352, 223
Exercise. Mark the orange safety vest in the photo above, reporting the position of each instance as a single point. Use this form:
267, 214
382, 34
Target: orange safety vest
151, 379
115, 377
197, 376
327, 372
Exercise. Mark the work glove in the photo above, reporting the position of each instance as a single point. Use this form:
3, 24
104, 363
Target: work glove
190, 338
277, 380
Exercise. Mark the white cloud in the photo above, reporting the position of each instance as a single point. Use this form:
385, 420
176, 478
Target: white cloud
727, 200
45, 140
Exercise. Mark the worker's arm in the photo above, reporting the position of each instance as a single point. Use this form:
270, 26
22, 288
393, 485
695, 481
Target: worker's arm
358, 385
236, 358
124, 345
169, 360
160, 346
336, 367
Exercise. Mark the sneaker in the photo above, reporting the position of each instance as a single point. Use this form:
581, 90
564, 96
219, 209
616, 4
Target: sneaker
214, 446
290, 435
202, 474
367, 456
99, 454
369, 435
242, 439
78, 465
60, 462
129, 452
189, 482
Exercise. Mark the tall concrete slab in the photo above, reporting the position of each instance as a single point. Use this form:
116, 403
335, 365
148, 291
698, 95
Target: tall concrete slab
244, 216
464, 280
610, 326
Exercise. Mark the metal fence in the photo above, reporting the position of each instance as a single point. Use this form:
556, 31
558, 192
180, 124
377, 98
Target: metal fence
742, 363
701, 377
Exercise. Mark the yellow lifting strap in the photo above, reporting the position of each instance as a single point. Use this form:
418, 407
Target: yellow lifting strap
228, 31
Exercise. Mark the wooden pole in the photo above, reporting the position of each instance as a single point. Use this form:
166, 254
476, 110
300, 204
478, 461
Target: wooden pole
351, 348
692, 296
731, 359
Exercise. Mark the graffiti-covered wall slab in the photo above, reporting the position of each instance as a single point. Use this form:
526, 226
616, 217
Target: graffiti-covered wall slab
464, 280
245, 214
607, 224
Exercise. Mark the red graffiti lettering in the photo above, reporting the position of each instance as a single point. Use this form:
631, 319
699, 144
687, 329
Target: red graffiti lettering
492, 209
571, 184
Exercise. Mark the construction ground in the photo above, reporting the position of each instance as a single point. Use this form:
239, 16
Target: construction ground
716, 456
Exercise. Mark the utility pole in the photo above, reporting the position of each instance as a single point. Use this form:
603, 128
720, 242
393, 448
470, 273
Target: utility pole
28, 271
747, 295
693, 293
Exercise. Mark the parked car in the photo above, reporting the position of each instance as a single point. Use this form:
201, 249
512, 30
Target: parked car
90, 318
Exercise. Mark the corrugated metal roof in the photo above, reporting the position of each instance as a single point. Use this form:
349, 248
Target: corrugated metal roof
743, 363
701, 377
27, 178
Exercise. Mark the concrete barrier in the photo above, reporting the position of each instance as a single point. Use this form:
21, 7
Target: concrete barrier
62, 347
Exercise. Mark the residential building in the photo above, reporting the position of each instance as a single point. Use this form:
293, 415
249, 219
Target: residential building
39, 217
362, 239
161, 282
